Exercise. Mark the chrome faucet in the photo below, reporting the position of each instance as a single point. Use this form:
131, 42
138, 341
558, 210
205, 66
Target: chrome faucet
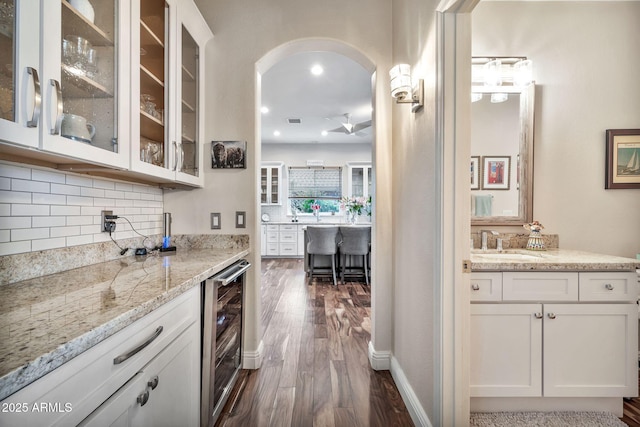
484, 237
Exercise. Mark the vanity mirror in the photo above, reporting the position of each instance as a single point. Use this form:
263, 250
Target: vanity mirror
502, 119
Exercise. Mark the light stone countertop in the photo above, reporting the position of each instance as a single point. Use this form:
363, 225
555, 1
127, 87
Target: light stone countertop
549, 260
46, 321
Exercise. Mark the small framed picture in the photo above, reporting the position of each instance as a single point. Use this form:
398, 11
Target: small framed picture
229, 154
622, 159
495, 172
475, 172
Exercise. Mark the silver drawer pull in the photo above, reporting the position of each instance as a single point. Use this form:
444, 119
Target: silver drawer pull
551, 315
475, 287
609, 286
143, 398
538, 315
132, 352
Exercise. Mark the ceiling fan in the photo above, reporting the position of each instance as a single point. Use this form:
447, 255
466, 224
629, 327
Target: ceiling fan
350, 128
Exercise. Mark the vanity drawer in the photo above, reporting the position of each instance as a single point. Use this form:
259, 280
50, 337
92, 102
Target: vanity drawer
539, 286
608, 286
288, 227
272, 236
272, 227
272, 249
486, 287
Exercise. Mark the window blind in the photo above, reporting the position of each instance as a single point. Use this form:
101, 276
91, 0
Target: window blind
315, 183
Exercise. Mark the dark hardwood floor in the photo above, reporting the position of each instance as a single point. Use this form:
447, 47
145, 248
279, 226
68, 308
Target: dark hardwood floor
315, 370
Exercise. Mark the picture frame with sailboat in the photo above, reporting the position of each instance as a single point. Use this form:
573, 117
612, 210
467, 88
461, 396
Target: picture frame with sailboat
622, 159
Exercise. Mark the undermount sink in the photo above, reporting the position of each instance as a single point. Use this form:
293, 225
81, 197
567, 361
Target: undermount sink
506, 255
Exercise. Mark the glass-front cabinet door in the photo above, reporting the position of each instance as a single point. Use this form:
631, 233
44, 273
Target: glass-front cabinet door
359, 179
84, 80
20, 90
167, 137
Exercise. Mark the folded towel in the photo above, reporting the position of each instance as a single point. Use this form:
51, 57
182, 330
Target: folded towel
483, 205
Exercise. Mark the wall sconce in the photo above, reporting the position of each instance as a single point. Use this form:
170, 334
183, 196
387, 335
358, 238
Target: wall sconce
402, 89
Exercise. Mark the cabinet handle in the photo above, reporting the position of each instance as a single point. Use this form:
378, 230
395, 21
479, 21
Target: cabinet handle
132, 352
175, 156
37, 98
538, 315
609, 286
143, 398
475, 287
55, 130
551, 315
153, 382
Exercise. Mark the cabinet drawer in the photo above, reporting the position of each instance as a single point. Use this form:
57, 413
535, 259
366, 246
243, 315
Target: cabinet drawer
272, 236
272, 227
539, 286
486, 287
608, 286
288, 236
288, 249
91, 377
288, 227
272, 249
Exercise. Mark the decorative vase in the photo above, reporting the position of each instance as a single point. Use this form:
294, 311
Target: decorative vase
353, 218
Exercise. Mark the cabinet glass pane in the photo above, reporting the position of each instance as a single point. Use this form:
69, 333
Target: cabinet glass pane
263, 185
274, 185
153, 54
189, 104
357, 182
89, 72
7, 60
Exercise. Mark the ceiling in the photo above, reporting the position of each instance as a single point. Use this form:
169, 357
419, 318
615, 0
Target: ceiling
320, 102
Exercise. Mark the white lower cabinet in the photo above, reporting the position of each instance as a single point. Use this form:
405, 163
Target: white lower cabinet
163, 393
282, 240
523, 345
101, 386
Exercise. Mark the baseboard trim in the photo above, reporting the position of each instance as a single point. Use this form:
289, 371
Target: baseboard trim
253, 359
411, 401
379, 360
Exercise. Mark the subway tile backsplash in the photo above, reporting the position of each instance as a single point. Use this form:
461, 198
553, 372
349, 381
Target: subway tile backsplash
44, 209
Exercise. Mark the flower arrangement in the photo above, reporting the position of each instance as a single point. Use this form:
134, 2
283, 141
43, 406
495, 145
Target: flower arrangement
354, 205
315, 207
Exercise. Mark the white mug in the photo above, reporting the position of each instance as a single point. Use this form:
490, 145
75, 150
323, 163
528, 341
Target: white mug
76, 127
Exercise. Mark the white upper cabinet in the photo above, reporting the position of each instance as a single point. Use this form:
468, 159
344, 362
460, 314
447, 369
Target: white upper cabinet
167, 89
20, 72
83, 78
112, 83
359, 179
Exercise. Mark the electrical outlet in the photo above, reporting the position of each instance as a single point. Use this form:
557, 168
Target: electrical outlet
106, 223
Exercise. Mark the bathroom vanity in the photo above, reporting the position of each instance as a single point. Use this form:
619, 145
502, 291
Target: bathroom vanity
553, 330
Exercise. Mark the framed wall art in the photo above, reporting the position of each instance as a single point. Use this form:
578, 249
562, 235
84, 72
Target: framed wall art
495, 172
229, 154
475, 172
622, 168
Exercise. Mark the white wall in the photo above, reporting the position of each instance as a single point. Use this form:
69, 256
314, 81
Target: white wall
586, 67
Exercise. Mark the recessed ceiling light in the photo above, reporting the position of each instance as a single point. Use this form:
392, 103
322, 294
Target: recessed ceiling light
316, 70
325, 133
276, 133
264, 110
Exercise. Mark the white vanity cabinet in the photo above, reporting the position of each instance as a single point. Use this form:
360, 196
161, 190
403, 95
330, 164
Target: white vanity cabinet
554, 334
106, 384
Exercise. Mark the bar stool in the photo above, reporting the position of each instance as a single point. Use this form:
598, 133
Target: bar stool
355, 241
322, 241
